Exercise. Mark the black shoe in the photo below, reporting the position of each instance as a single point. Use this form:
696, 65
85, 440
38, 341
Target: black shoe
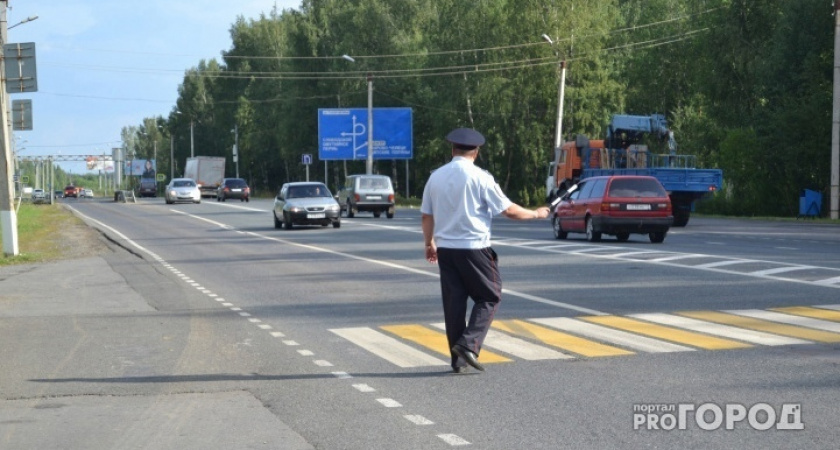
468, 356
460, 370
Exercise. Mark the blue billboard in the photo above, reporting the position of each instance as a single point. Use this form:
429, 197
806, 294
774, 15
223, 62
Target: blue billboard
343, 134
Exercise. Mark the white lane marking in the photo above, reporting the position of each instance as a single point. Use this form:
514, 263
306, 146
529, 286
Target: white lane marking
676, 257
254, 320
773, 316
515, 346
454, 440
244, 314
389, 403
612, 336
834, 307
363, 388
729, 262
741, 334
418, 420
388, 348
342, 375
781, 270
306, 352
828, 281
291, 343
264, 326
277, 334
322, 363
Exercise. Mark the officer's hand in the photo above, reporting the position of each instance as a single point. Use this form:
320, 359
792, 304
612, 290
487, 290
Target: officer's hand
543, 212
431, 253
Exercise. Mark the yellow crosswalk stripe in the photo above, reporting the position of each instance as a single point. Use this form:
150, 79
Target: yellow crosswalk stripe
807, 311
666, 333
558, 339
436, 341
763, 325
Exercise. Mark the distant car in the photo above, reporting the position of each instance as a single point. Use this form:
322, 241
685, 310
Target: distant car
87, 193
305, 203
147, 188
58, 193
373, 193
233, 188
39, 196
71, 191
617, 205
182, 190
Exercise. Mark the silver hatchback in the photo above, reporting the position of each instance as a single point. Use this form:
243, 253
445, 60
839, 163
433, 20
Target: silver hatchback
305, 203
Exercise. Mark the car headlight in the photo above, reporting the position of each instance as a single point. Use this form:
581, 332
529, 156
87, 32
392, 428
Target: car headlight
295, 209
334, 207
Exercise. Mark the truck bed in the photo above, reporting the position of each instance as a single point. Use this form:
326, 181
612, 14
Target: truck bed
699, 181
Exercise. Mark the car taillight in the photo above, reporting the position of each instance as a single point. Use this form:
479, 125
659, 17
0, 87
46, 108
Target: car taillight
357, 197
610, 206
227, 189
664, 207
391, 198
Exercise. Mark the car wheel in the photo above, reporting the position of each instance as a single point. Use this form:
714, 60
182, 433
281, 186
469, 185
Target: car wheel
337, 224
325, 224
287, 221
389, 215
224, 199
277, 223
621, 237
558, 230
591, 234
247, 199
350, 212
657, 237
197, 202
377, 214
218, 199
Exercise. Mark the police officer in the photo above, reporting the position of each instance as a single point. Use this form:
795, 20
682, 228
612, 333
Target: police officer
459, 202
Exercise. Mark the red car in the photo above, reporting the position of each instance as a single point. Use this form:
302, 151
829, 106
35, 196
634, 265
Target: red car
71, 191
617, 205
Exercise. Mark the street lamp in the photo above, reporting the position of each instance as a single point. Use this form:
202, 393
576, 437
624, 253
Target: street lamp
28, 19
369, 161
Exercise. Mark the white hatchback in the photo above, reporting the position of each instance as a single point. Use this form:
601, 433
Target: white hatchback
182, 190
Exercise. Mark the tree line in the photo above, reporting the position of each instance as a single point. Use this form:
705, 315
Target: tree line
746, 85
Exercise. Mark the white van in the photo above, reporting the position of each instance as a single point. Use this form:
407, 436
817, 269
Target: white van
373, 193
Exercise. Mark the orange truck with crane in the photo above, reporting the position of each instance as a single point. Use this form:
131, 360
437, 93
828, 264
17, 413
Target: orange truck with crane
625, 152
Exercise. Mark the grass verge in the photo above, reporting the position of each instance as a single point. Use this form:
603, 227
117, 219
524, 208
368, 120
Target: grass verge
41, 234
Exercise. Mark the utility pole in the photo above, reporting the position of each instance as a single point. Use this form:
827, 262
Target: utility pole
8, 217
835, 118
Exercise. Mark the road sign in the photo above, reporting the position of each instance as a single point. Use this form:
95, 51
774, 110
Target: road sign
21, 115
306, 159
342, 133
160, 177
21, 74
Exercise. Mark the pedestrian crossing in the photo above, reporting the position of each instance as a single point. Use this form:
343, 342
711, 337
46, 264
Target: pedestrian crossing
566, 338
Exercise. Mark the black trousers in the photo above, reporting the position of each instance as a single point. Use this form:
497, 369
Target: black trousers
469, 274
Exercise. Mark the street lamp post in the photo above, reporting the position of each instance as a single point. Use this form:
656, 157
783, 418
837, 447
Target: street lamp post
236, 147
558, 132
8, 216
369, 160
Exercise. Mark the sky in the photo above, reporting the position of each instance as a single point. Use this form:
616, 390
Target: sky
106, 64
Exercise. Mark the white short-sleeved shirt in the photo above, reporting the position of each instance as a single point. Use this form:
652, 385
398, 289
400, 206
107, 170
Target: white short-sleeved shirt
463, 200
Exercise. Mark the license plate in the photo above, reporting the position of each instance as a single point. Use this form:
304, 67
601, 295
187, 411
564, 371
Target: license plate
374, 197
637, 207
236, 190
316, 216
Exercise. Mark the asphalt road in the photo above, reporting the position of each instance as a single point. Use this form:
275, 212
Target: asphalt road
329, 336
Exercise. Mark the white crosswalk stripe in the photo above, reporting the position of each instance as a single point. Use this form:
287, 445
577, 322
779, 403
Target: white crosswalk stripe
517, 347
789, 319
741, 334
388, 348
609, 335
